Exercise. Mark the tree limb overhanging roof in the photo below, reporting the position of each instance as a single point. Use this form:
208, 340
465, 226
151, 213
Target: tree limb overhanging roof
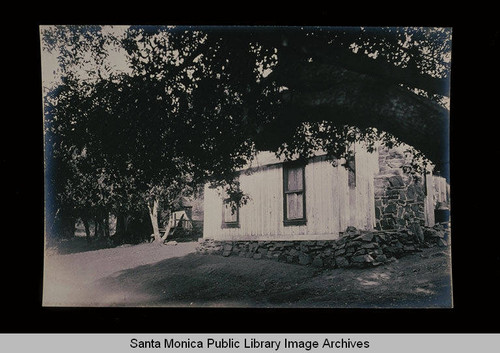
355, 90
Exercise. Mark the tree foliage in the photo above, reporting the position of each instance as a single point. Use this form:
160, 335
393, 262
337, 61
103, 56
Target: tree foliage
393, 79
186, 105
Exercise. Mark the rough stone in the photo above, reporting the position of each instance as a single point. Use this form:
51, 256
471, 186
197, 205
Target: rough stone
391, 208
317, 262
367, 237
409, 248
362, 258
382, 236
442, 243
356, 248
359, 252
369, 246
381, 258
417, 231
341, 244
432, 234
388, 223
304, 259
438, 226
341, 261
396, 181
339, 252
411, 192
381, 183
397, 244
439, 254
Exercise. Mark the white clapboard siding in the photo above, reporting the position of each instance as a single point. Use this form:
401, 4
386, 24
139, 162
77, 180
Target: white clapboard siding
437, 190
343, 198
429, 204
441, 189
330, 205
362, 209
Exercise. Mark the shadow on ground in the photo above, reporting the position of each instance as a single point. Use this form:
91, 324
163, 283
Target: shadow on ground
204, 280
418, 280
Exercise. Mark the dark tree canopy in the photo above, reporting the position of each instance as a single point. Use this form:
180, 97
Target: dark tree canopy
193, 104
393, 79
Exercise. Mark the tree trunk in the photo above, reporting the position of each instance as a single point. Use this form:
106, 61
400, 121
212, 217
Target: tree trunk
364, 102
64, 226
105, 222
69, 227
121, 227
168, 227
153, 215
86, 224
97, 230
126, 223
119, 224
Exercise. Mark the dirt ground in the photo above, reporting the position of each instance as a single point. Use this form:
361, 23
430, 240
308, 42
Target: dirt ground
174, 275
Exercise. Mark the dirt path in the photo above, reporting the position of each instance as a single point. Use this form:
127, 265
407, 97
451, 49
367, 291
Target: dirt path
69, 279
151, 275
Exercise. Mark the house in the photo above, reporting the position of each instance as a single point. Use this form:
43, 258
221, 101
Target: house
188, 215
319, 198
180, 219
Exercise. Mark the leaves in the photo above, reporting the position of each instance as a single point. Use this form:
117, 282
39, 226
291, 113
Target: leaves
149, 112
123, 140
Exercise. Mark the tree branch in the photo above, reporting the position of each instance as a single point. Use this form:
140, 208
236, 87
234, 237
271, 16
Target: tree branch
317, 75
366, 102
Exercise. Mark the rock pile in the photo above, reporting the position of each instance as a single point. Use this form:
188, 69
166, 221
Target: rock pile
354, 248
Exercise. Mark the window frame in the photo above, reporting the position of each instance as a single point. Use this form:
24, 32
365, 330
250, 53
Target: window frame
286, 167
233, 224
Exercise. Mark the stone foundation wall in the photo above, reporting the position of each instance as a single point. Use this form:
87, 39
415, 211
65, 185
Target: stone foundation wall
399, 198
354, 249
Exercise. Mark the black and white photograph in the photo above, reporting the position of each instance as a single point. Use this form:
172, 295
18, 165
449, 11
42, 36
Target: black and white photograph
246, 166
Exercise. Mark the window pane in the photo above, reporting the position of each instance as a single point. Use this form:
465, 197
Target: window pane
229, 215
294, 176
295, 206
291, 200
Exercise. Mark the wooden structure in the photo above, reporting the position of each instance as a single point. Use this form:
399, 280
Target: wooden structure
318, 199
437, 194
296, 201
180, 219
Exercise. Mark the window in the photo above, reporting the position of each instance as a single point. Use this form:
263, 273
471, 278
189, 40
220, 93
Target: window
230, 214
294, 201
